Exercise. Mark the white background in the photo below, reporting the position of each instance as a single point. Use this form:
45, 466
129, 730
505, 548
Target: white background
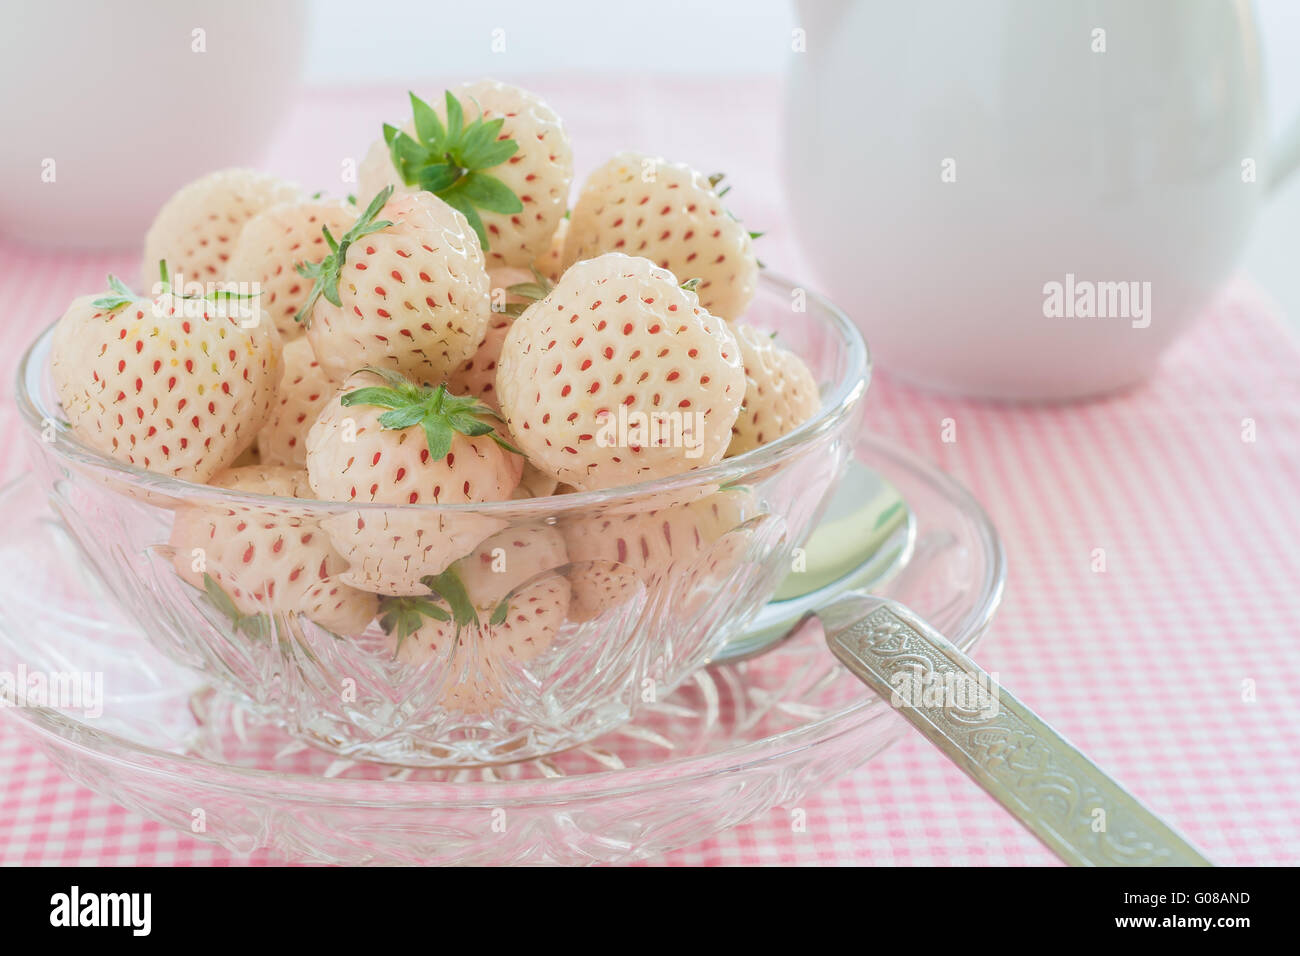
354, 43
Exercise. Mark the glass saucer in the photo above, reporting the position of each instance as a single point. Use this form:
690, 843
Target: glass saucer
733, 742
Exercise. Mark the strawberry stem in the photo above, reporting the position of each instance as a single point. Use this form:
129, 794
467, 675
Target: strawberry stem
120, 296
256, 626
325, 274
440, 414
533, 291
451, 160
403, 616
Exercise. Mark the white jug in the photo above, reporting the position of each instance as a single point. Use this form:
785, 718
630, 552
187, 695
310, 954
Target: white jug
1026, 200
109, 108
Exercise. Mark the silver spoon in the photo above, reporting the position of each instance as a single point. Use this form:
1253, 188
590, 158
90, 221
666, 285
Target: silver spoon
1079, 812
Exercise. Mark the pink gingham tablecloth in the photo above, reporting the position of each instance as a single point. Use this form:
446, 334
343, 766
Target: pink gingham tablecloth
1143, 666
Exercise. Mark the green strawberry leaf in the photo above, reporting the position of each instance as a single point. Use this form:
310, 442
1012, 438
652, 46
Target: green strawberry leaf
403, 616
428, 127
118, 286
227, 295
438, 177
495, 153
395, 380
451, 159
374, 395
111, 303
438, 436
455, 117
408, 157
438, 413
451, 589
499, 614
466, 209
219, 598
256, 626
529, 290
496, 437
400, 417
468, 424
325, 274
488, 192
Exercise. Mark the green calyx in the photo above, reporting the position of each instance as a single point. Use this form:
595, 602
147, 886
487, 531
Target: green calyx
403, 616
216, 295
325, 274
439, 413
447, 601
533, 291
451, 160
256, 626
119, 296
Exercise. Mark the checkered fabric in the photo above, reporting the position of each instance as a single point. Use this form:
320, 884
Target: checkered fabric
1142, 665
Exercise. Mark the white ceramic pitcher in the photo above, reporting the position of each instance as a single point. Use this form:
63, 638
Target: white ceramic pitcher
1026, 200
108, 108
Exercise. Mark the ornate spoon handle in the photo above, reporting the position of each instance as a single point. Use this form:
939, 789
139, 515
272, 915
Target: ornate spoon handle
1063, 798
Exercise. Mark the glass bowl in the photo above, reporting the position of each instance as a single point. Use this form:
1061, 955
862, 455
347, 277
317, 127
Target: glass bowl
588, 605
731, 743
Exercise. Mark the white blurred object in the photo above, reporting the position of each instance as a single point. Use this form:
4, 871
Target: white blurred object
109, 108
517, 37
948, 159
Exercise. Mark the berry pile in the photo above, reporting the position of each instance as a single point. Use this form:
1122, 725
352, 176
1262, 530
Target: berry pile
454, 335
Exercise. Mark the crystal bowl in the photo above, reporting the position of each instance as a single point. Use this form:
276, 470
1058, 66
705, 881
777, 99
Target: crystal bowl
731, 743
589, 605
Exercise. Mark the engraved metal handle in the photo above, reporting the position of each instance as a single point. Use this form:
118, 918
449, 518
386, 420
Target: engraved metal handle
1062, 797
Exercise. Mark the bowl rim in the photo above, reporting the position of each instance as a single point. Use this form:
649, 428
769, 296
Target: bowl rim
841, 399
401, 794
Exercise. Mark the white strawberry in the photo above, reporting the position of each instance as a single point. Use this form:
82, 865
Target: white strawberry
282, 481
382, 439
249, 456
496, 608
670, 214
513, 290
258, 560
535, 483
497, 153
304, 390
618, 376
406, 292
780, 391
614, 554
174, 384
197, 229
275, 242
551, 262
